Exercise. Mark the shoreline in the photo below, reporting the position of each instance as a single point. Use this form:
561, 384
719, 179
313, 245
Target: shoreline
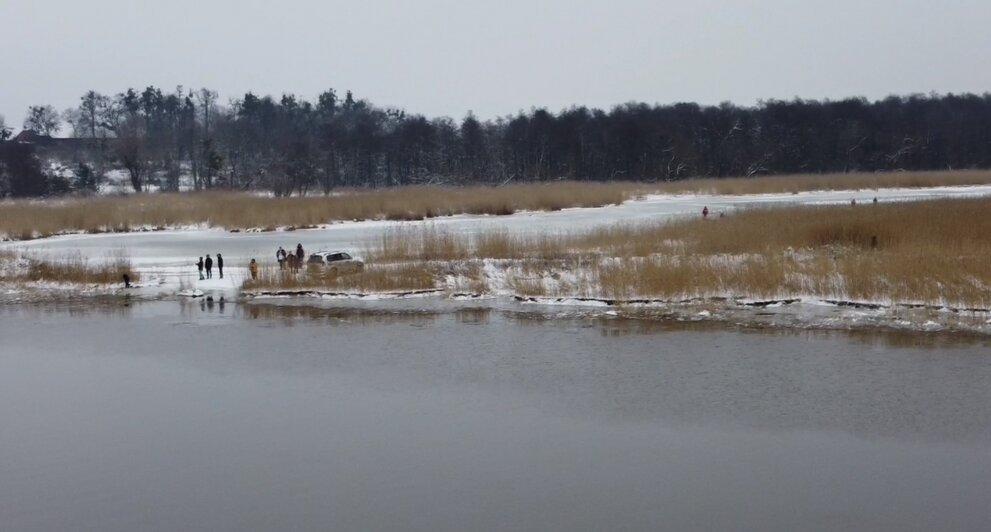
779, 254
793, 314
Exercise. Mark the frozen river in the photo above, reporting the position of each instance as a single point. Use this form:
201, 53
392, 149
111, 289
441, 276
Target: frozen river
171, 248
165, 259
197, 416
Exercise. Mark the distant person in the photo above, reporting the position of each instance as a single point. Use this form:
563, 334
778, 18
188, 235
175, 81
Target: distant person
199, 266
253, 269
705, 211
853, 202
280, 256
875, 200
209, 267
299, 254
220, 265
127, 281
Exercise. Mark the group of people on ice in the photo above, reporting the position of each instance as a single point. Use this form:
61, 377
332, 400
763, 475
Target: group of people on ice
287, 261
207, 266
290, 261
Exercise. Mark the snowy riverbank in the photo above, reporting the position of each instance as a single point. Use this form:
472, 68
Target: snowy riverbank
165, 262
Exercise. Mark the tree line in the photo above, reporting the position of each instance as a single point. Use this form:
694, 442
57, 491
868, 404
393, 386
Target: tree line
290, 145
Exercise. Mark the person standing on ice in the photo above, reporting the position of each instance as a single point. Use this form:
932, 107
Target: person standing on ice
705, 211
199, 266
220, 265
209, 267
280, 256
253, 269
299, 254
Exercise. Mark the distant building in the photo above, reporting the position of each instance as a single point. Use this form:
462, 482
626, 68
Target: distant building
63, 149
29, 136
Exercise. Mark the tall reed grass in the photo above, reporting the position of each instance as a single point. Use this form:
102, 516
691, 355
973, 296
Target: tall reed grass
24, 220
71, 268
931, 252
379, 278
27, 219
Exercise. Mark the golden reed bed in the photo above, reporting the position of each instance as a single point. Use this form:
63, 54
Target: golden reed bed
232, 210
933, 252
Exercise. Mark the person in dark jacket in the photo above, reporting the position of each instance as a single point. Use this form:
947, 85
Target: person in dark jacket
280, 256
220, 265
209, 267
705, 211
299, 254
199, 266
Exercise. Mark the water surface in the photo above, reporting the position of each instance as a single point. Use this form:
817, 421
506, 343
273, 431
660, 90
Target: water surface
169, 416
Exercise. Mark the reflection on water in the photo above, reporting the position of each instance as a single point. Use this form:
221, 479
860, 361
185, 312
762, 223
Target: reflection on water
918, 339
474, 316
288, 314
96, 307
220, 416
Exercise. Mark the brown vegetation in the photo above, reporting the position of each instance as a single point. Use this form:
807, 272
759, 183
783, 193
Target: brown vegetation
34, 219
24, 220
933, 252
68, 269
380, 278
806, 182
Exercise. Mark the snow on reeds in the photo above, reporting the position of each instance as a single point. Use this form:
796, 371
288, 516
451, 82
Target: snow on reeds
778, 184
23, 220
27, 219
373, 279
932, 252
73, 268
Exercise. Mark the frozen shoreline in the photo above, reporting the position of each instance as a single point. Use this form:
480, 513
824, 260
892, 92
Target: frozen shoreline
164, 259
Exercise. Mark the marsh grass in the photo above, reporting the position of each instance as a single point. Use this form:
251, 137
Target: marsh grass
34, 219
71, 268
467, 277
931, 252
807, 182
374, 278
24, 220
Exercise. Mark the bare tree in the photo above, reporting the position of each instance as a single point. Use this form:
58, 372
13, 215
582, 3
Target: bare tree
43, 119
89, 119
207, 99
132, 152
4, 130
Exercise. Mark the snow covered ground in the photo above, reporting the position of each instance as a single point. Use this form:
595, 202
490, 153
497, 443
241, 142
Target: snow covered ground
165, 259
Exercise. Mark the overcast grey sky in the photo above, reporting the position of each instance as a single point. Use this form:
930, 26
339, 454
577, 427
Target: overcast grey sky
442, 57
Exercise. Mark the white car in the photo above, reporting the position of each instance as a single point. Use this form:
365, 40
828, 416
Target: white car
337, 262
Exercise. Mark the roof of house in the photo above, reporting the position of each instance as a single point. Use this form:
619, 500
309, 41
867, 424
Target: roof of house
32, 137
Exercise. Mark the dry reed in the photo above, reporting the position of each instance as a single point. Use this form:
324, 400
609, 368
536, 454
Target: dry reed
932, 252
68, 269
807, 182
375, 278
24, 220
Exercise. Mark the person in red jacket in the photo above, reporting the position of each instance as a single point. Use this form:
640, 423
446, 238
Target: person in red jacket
705, 211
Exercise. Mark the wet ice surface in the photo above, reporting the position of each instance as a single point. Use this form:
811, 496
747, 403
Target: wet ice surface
181, 248
166, 259
387, 416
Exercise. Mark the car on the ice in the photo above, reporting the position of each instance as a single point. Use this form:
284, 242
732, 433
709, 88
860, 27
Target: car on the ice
336, 262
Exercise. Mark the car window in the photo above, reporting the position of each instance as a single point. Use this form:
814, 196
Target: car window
345, 256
